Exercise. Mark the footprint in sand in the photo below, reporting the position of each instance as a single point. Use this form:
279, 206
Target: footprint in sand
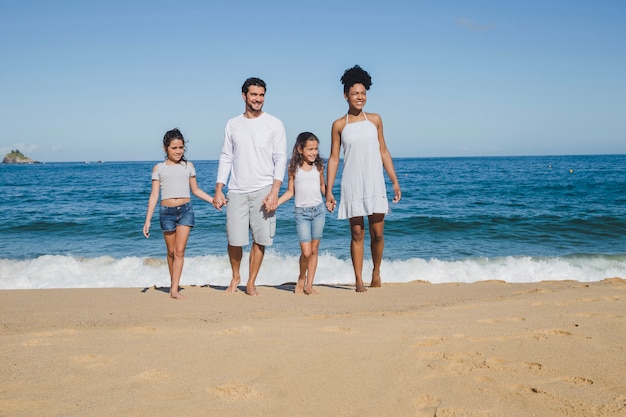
458, 363
544, 334
141, 330
50, 338
578, 380
426, 406
428, 342
152, 376
234, 391
337, 329
236, 330
92, 361
502, 320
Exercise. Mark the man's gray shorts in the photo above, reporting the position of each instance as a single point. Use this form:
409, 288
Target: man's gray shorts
245, 212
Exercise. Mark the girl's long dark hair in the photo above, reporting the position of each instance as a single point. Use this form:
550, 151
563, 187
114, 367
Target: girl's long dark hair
296, 158
170, 135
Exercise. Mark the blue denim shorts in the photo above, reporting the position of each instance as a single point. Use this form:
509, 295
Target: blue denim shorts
171, 217
310, 222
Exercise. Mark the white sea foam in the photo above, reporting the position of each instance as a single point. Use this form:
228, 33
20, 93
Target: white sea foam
71, 272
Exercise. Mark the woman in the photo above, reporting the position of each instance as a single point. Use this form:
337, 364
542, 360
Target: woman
363, 190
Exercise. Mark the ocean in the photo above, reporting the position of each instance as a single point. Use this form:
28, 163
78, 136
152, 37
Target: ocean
513, 219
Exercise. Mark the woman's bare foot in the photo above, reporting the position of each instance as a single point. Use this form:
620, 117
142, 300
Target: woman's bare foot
232, 288
252, 291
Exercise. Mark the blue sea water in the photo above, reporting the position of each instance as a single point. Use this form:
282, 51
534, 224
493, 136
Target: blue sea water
515, 219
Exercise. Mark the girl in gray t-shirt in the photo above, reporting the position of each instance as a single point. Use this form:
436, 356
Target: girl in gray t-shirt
173, 179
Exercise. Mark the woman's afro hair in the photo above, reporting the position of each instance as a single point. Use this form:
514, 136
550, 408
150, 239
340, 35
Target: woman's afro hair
355, 75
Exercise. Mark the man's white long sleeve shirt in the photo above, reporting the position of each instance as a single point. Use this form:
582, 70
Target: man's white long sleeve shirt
254, 153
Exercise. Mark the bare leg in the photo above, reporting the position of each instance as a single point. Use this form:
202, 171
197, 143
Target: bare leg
235, 254
311, 268
357, 225
377, 237
170, 241
256, 259
176, 242
305, 254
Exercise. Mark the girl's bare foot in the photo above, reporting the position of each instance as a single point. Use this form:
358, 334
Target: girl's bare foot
310, 291
359, 285
376, 281
299, 289
177, 296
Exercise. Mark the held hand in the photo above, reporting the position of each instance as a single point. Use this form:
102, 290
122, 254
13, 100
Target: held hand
270, 202
219, 200
331, 203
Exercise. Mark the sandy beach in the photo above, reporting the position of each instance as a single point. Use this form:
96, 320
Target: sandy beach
485, 349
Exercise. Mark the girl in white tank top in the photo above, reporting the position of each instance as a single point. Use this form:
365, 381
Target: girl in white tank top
306, 182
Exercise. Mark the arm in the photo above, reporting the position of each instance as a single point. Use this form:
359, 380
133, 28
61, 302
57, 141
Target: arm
152, 202
223, 170
197, 191
219, 199
271, 201
387, 161
289, 193
333, 163
322, 184
279, 158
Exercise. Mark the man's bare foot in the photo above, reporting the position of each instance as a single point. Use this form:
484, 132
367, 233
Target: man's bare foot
310, 291
177, 296
376, 281
252, 291
232, 288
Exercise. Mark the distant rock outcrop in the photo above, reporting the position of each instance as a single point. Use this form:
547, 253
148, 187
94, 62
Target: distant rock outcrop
17, 157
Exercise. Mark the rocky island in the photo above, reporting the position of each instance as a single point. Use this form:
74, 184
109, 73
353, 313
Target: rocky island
17, 157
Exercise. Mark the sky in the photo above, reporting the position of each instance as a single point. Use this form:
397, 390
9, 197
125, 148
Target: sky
104, 80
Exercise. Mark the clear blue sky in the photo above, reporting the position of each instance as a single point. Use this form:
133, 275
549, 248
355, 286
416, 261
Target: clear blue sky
86, 81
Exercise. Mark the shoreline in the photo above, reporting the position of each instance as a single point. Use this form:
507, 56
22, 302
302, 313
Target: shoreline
49, 272
488, 348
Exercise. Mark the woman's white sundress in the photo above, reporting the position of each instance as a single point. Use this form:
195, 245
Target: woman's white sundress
362, 182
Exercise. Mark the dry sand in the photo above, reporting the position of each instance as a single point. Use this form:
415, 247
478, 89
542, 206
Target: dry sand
484, 349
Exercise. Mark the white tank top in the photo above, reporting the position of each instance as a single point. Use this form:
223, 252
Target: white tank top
307, 188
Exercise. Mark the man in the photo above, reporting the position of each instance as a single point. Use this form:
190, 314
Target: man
254, 155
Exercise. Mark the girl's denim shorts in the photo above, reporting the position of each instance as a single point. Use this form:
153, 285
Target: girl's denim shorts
310, 222
171, 217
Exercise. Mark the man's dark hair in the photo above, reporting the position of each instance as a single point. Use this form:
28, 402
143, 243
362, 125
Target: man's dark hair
355, 75
252, 81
